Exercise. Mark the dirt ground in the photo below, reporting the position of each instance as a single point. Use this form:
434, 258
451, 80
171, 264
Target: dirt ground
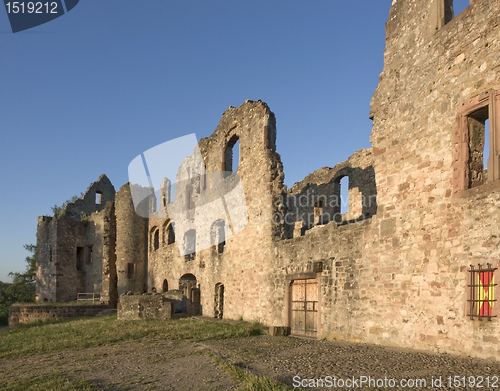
184, 365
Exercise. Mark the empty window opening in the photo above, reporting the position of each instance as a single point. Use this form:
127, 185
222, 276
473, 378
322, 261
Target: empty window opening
232, 155
155, 239
344, 195
219, 301
459, 6
190, 242
218, 235
98, 198
165, 286
79, 258
476, 122
168, 233
130, 270
486, 153
171, 233
236, 155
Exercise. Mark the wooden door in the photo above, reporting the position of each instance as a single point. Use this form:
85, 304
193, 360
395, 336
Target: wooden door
304, 307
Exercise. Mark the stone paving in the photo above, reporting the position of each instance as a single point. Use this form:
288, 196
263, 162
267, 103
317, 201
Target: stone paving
287, 358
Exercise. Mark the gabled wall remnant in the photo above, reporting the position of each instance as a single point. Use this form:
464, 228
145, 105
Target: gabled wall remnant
76, 248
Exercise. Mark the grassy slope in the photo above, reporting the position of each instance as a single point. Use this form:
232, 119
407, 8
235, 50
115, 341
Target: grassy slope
31, 339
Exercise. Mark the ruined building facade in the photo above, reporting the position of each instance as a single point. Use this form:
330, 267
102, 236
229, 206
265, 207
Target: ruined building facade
394, 270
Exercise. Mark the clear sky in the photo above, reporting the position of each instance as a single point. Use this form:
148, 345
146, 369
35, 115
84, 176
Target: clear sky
86, 93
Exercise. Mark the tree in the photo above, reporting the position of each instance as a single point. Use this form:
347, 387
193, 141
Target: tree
22, 288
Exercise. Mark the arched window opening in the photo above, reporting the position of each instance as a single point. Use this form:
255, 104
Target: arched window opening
232, 155
171, 233
165, 286
168, 233
155, 239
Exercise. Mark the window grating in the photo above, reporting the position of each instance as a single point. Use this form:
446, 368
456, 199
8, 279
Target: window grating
482, 292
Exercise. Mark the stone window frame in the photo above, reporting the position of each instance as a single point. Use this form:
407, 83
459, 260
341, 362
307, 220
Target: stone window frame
461, 171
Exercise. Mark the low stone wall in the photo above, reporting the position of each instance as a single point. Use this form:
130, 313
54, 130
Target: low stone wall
144, 306
31, 313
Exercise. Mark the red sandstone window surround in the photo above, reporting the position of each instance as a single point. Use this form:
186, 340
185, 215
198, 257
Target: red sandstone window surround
471, 138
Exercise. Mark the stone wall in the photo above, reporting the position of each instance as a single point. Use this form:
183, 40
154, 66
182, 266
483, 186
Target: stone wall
19, 314
144, 306
411, 270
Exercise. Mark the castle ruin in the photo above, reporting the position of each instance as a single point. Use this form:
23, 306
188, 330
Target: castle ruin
395, 269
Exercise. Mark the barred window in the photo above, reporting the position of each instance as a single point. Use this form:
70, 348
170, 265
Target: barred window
482, 292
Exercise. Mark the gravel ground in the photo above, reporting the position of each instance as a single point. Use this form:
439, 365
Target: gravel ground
282, 358
185, 365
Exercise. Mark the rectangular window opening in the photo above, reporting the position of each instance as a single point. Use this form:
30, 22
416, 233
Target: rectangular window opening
478, 146
344, 195
98, 198
79, 258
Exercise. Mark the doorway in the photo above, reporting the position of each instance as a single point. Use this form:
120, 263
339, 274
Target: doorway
304, 307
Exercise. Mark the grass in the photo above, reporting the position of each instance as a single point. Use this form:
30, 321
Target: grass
52, 381
74, 334
251, 382
59, 304
44, 337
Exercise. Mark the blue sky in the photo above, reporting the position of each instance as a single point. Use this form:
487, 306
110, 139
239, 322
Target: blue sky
86, 93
